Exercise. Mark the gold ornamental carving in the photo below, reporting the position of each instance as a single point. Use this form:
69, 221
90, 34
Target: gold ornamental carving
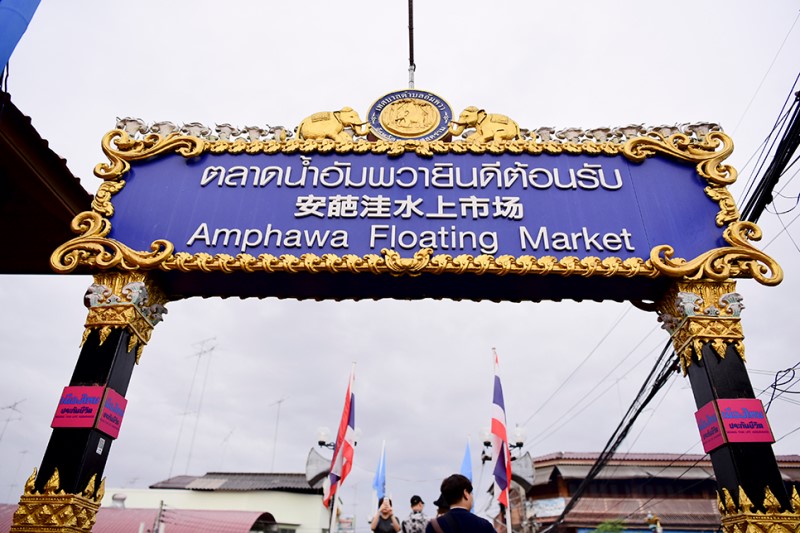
700, 313
121, 149
741, 259
332, 125
92, 248
742, 519
124, 300
54, 510
488, 126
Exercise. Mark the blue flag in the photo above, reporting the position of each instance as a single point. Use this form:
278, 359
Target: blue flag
466, 463
379, 483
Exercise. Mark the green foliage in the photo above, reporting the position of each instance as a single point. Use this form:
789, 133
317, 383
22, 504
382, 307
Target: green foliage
611, 526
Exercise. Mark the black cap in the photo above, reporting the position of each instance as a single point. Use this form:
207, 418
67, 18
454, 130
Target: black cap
415, 500
440, 502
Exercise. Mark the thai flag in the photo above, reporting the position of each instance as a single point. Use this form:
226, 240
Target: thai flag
500, 451
342, 461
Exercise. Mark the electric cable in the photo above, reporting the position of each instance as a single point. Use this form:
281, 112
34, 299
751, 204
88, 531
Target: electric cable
562, 420
664, 368
775, 383
785, 228
788, 144
777, 127
788, 234
680, 491
575, 370
767, 147
791, 28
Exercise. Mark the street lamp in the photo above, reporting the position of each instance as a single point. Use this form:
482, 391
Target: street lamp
516, 442
323, 434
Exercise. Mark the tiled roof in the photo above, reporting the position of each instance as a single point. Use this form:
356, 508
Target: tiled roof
240, 481
792, 461
572, 465
676, 512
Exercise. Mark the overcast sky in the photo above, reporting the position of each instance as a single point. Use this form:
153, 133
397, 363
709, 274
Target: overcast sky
424, 368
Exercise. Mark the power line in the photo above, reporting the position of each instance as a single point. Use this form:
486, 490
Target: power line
563, 420
765, 147
575, 370
665, 367
785, 228
766, 73
787, 146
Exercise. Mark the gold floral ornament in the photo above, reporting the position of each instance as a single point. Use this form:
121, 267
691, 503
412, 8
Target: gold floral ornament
123, 301
700, 313
742, 519
53, 509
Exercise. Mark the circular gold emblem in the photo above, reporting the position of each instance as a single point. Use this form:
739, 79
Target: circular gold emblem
410, 114
409, 117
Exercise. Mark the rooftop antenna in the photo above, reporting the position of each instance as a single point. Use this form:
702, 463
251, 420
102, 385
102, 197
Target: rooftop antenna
202, 351
13, 406
275, 439
411, 66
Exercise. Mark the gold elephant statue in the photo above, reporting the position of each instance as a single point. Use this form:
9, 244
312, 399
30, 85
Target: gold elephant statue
331, 125
488, 127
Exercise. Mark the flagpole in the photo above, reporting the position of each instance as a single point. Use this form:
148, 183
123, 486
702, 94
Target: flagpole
334, 509
508, 510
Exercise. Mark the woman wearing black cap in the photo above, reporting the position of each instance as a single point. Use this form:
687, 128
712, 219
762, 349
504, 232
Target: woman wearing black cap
416, 521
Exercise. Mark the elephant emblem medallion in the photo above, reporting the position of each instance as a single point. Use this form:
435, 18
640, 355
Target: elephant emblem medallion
488, 127
332, 125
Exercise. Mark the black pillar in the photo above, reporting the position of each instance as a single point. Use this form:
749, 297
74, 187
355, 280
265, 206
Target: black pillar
80, 453
751, 466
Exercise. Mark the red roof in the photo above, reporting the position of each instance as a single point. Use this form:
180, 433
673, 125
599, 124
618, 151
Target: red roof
565, 457
112, 520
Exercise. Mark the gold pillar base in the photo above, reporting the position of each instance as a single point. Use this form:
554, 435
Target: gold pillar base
742, 519
53, 510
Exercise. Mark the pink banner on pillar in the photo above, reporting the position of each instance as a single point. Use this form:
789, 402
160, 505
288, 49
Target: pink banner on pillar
708, 424
111, 414
78, 407
744, 420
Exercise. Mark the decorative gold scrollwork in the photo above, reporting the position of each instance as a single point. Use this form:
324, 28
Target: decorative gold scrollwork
723, 263
102, 199
92, 248
120, 149
55, 510
741, 518
705, 153
728, 211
